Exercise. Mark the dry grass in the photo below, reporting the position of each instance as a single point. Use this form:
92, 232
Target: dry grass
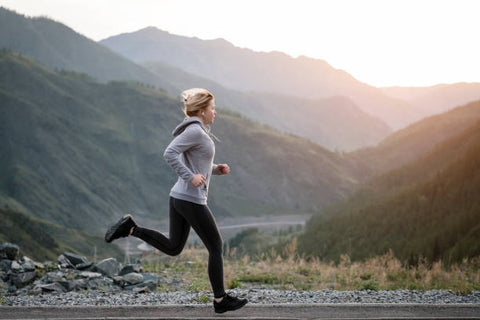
289, 271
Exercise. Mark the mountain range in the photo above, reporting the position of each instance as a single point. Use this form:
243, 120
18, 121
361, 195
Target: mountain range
82, 130
59, 47
246, 70
75, 151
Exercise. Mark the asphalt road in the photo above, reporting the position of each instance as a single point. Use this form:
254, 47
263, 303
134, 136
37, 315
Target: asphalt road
279, 311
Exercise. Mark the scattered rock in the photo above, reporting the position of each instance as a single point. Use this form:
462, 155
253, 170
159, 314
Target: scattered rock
133, 278
51, 287
90, 275
28, 264
109, 267
64, 262
9, 251
129, 268
5, 264
72, 273
22, 278
75, 259
15, 266
84, 266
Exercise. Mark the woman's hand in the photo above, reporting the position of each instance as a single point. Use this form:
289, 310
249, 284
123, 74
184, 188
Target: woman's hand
198, 180
223, 168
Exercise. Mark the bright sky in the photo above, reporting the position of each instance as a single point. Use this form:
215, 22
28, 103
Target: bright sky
380, 42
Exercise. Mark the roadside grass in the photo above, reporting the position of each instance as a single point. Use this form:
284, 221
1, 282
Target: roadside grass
289, 271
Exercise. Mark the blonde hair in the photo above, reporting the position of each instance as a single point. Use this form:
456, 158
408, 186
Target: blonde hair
195, 99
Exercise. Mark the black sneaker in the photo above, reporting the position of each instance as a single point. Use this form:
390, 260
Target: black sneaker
229, 303
120, 229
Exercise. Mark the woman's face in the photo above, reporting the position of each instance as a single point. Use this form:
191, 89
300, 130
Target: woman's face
208, 114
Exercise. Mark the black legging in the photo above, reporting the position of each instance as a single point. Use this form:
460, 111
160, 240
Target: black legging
184, 214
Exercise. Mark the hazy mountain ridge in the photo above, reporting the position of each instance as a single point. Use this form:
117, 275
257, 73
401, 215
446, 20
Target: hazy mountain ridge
417, 139
438, 98
335, 123
246, 70
58, 46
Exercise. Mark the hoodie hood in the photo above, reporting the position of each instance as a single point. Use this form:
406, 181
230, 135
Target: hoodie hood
190, 120
185, 123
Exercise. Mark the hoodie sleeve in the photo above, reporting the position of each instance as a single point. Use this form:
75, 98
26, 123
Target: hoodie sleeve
215, 170
181, 143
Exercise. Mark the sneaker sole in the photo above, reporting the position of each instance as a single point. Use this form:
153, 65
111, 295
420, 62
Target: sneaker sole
110, 235
236, 308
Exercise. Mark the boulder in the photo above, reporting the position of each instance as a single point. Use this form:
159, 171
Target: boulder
9, 251
21, 279
129, 268
55, 276
5, 264
109, 267
90, 275
75, 259
27, 262
64, 262
15, 266
50, 287
77, 284
145, 286
28, 266
133, 278
84, 266
99, 283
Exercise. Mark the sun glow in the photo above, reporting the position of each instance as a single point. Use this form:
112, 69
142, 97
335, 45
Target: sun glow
380, 42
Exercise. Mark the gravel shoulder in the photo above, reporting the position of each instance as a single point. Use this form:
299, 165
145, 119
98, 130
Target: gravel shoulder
259, 296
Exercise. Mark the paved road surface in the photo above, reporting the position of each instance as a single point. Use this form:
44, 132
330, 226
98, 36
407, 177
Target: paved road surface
279, 311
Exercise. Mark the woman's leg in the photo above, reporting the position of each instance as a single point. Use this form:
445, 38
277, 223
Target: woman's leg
179, 230
203, 222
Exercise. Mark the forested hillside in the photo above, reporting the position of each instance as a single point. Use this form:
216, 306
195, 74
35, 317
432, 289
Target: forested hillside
43, 240
429, 208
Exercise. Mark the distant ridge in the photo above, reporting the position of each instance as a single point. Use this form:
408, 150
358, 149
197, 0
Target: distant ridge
59, 47
246, 70
438, 98
417, 139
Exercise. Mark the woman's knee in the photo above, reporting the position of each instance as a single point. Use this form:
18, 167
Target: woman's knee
175, 251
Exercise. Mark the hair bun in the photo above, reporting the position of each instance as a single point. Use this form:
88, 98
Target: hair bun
195, 99
190, 93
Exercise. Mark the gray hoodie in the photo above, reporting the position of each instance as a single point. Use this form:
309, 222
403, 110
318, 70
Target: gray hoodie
191, 152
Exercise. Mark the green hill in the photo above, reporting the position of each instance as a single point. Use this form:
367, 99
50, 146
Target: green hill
428, 209
43, 240
75, 151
